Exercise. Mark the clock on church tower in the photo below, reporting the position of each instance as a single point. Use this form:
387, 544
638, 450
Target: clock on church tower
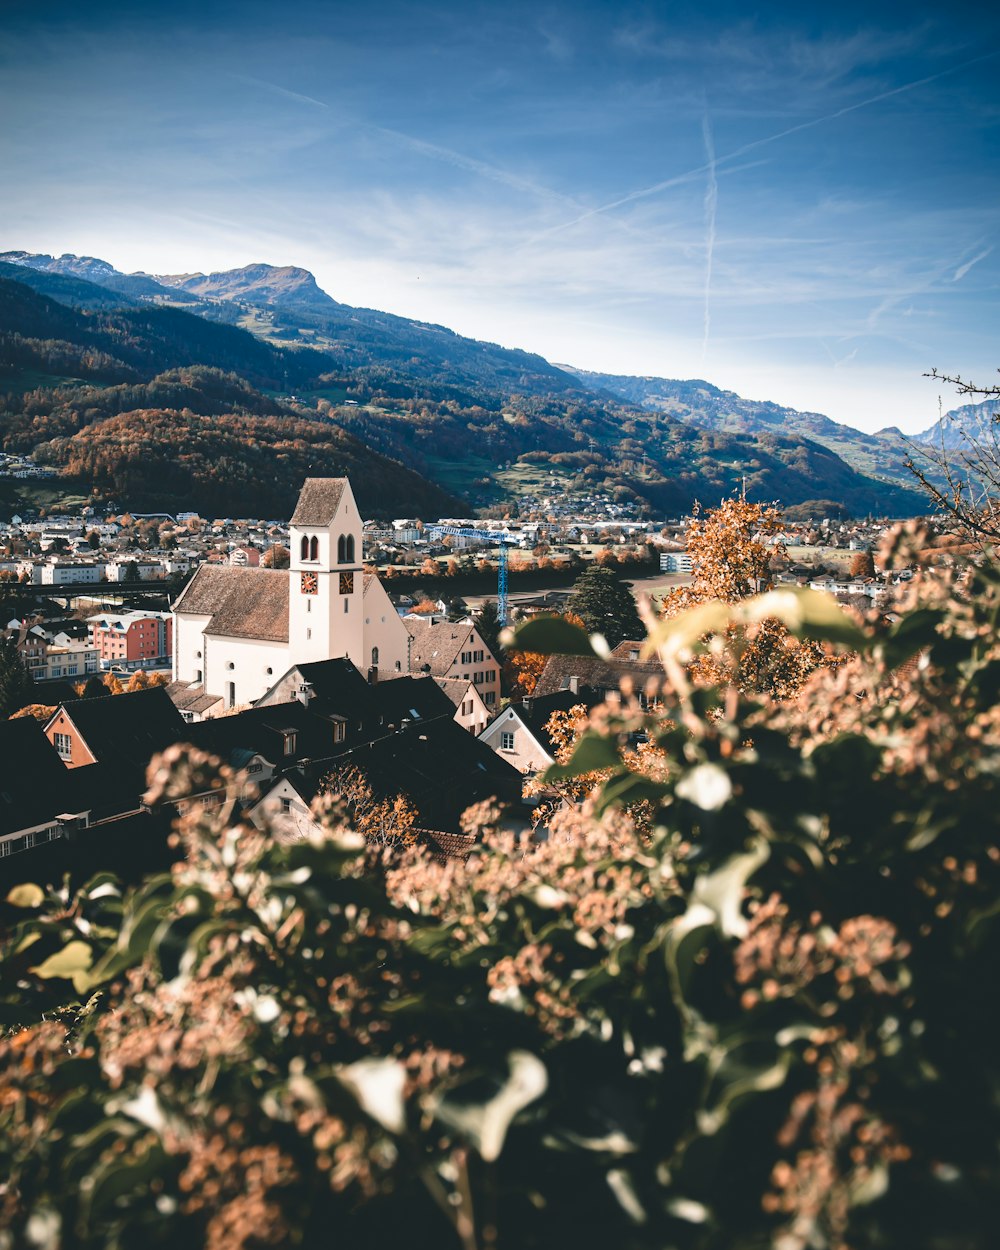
308, 583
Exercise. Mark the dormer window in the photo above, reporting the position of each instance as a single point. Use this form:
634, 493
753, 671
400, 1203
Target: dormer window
289, 741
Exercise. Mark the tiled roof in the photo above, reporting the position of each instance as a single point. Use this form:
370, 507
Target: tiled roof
188, 697
436, 645
319, 500
243, 603
456, 688
560, 670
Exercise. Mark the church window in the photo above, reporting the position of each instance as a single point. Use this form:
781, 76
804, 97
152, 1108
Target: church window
314, 548
345, 549
231, 694
304, 548
374, 657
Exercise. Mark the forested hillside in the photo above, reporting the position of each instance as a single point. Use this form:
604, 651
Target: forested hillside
484, 424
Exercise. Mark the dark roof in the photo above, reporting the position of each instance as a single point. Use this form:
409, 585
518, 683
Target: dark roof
128, 729
410, 698
439, 766
536, 711
261, 731
319, 500
243, 603
603, 675
338, 686
456, 688
35, 785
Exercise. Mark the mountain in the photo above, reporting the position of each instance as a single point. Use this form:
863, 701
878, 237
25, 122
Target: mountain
979, 422
135, 287
257, 284
481, 421
75, 292
882, 455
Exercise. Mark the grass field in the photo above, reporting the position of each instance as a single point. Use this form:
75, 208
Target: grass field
18, 495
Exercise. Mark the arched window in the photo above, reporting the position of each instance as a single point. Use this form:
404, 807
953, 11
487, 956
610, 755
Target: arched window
342, 550
349, 549
374, 657
314, 548
304, 548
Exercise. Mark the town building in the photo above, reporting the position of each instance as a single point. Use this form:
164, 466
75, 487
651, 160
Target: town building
132, 640
455, 650
237, 630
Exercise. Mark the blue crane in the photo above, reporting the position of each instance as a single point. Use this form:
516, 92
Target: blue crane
484, 536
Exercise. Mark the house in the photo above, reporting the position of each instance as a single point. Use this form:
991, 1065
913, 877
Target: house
471, 711
519, 735
574, 672
122, 732
236, 630
455, 649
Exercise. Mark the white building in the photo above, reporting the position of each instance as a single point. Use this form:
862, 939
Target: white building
236, 630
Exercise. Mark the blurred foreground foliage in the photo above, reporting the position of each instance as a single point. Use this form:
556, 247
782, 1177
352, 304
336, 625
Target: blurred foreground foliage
762, 1016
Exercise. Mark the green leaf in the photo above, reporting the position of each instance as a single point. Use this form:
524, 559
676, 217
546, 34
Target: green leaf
28, 895
486, 1124
71, 964
681, 635
806, 614
553, 635
629, 788
593, 751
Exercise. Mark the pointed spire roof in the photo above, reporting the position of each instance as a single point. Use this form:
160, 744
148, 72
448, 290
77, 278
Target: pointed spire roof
319, 500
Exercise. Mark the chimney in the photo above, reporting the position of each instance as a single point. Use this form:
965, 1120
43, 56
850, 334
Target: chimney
373, 675
304, 693
574, 684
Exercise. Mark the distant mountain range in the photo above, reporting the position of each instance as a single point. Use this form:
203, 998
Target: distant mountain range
472, 417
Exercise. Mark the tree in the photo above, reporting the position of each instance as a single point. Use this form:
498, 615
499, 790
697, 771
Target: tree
731, 562
276, 557
862, 564
16, 685
522, 669
488, 624
606, 605
131, 575
385, 822
961, 470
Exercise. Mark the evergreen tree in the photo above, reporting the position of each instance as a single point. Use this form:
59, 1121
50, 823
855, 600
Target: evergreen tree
605, 605
16, 685
488, 623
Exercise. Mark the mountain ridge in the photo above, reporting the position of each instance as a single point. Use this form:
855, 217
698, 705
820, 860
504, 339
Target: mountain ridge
475, 397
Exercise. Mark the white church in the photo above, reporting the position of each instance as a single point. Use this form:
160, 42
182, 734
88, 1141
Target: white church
237, 631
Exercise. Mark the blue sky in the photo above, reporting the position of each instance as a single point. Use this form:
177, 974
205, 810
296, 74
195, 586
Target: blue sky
796, 204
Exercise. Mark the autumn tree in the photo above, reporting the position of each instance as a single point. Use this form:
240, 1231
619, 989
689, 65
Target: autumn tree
862, 564
522, 669
276, 557
731, 561
385, 822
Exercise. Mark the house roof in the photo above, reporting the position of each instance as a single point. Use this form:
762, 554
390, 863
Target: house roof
128, 729
410, 698
242, 602
319, 500
436, 644
439, 766
262, 731
35, 786
188, 697
535, 712
456, 688
603, 675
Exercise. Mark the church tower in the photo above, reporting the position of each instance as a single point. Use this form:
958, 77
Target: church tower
326, 587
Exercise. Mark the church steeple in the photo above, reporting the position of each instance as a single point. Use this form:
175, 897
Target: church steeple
325, 609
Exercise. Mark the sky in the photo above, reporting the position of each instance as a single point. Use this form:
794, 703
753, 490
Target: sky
795, 203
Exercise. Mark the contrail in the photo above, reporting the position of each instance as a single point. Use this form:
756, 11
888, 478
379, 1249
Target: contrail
962, 270
711, 205
273, 86
644, 192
